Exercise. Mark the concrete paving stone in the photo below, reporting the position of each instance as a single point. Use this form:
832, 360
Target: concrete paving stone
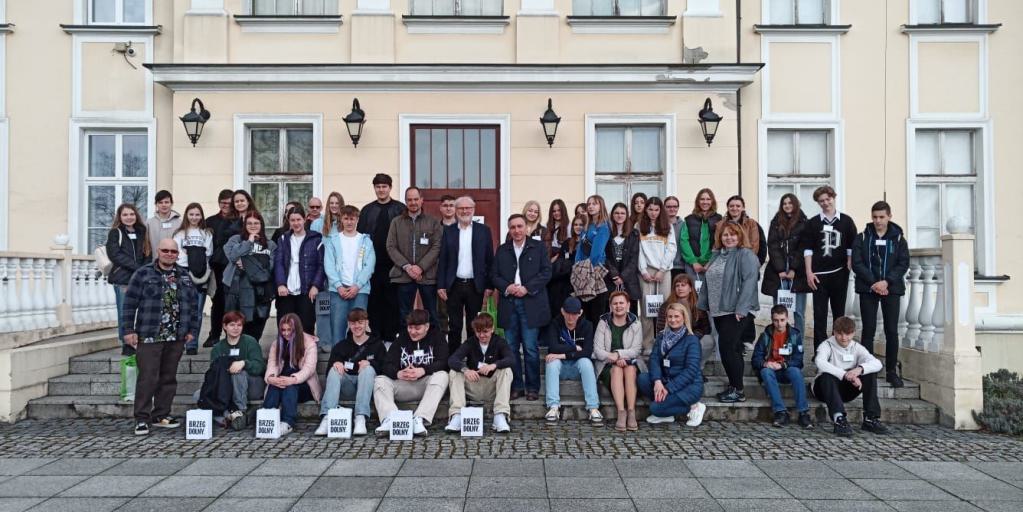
1006, 471
21, 466
507, 467
191, 487
432, 486
348, 505
761, 505
657, 468
580, 467
981, 489
507, 487
221, 467
103, 486
724, 469
507, 505
791, 469
931, 506
999, 506
870, 469
846, 506
421, 505
891, 490
943, 471
270, 486
76, 504
675, 505
292, 467
250, 504
365, 467
37, 486
823, 488
148, 467
18, 504
450, 467
160, 505
585, 487
593, 505
67, 467
743, 488
664, 488
349, 487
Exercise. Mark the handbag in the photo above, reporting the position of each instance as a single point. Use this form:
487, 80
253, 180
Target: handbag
103, 259
785, 296
129, 376
490, 308
653, 302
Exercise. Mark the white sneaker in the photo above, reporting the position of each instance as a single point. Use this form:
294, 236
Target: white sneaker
696, 415
553, 414
418, 427
595, 416
385, 426
653, 420
322, 429
501, 423
454, 424
360, 425
285, 429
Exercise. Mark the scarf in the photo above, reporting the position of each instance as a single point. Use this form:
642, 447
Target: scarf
670, 338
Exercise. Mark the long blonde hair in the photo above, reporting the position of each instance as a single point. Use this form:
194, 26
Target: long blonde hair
678, 306
328, 217
539, 216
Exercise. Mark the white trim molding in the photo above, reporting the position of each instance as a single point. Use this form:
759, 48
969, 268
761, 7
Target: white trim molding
405, 121
837, 127
537, 8
124, 30
798, 30
936, 30
914, 76
329, 24
242, 122
455, 24
77, 71
668, 120
620, 24
835, 112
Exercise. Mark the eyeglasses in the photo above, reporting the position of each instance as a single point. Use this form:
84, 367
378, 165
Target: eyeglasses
169, 251
315, 207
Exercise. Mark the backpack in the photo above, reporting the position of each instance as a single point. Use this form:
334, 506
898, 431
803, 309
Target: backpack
217, 390
103, 259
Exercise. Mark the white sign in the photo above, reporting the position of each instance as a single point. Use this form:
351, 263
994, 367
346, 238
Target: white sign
472, 422
268, 423
199, 424
401, 425
339, 423
323, 304
787, 298
653, 305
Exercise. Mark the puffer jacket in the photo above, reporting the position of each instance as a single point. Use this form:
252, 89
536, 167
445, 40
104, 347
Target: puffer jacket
684, 376
784, 254
762, 349
881, 257
632, 342
696, 240
125, 253
310, 261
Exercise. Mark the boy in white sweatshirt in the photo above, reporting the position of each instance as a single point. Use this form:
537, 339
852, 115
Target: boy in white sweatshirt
844, 370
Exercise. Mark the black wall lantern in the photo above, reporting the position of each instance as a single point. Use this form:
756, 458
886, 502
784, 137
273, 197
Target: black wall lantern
194, 121
354, 121
550, 121
709, 121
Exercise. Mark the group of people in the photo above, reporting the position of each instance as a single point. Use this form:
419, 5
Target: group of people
635, 297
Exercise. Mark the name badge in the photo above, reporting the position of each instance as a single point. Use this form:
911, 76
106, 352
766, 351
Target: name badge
699, 284
667, 363
132, 236
785, 351
829, 227
848, 358
166, 225
880, 243
235, 352
424, 241
369, 357
417, 353
537, 238
349, 365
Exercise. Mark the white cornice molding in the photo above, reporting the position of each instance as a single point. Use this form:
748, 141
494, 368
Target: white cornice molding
799, 30
290, 24
6, 28
950, 29
455, 24
620, 24
113, 29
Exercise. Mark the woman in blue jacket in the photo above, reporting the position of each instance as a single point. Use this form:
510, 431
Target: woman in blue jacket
349, 260
592, 247
674, 384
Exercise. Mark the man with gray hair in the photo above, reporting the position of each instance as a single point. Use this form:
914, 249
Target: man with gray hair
466, 256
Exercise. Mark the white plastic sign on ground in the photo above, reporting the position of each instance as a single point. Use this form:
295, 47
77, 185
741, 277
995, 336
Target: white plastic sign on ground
339, 423
472, 422
268, 423
401, 425
199, 424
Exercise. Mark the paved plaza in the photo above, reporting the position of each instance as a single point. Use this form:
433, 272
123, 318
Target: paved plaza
98, 465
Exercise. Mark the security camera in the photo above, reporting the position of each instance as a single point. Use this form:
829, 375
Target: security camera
129, 51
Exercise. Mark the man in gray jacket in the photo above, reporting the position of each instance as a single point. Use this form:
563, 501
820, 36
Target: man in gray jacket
413, 244
164, 222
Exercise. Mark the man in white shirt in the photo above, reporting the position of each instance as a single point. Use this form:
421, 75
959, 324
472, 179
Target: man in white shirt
466, 255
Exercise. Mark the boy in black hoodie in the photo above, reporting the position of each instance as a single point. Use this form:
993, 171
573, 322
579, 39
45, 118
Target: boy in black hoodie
827, 251
880, 260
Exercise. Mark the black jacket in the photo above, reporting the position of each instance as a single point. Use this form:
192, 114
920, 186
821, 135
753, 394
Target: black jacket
470, 355
368, 225
482, 256
784, 254
833, 256
125, 253
534, 271
582, 336
875, 258
402, 354
627, 268
347, 351
223, 229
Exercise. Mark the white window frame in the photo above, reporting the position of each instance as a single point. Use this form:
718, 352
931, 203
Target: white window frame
837, 161
667, 120
330, 8
83, 14
914, 76
616, 10
624, 177
117, 181
244, 122
977, 9
799, 179
831, 12
456, 9
280, 179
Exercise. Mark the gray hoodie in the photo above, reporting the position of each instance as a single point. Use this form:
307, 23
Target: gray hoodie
160, 229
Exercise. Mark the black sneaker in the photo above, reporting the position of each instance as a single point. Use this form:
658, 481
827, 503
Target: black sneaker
141, 428
874, 425
210, 341
781, 418
734, 396
805, 420
894, 380
842, 427
728, 390
166, 422
191, 351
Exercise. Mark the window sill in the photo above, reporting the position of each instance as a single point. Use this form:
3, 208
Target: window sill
455, 24
621, 24
951, 28
106, 29
802, 29
6, 28
327, 24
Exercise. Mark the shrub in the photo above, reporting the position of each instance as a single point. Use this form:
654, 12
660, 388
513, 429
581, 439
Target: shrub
1003, 403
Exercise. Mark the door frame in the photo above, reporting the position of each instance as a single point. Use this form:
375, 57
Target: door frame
405, 122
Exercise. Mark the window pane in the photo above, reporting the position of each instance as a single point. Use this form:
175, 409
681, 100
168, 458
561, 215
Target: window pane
958, 152
650, 188
779, 152
493, 8
926, 159
300, 151
959, 205
103, 11
602, 7
299, 191
927, 203
653, 8
470, 7
813, 153
628, 7
422, 143
439, 159
443, 7
455, 159
580, 7
928, 11
610, 150
313, 7
811, 12
781, 12
101, 156
805, 195
134, 11
285, 7
267, 199
472, 158
957, 11
138, 196
646, 149
266, 151
612, 192
102, 204
134, 156
488, 158
774, 193
97, 237
264, 7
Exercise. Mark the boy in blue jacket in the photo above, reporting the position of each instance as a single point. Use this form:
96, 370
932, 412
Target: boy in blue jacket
778, 358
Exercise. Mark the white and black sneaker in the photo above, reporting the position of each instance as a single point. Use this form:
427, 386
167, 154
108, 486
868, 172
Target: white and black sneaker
141, 428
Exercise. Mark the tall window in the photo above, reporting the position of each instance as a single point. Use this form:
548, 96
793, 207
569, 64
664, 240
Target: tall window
945, 166
800, 12
280, 169
455, 157
289, 7
456, 7
630, 159
798, 161
117, 172
618, 7
945, 11
116, 12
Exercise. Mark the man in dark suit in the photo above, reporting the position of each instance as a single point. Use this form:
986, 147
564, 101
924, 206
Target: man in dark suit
520, 274
463, 273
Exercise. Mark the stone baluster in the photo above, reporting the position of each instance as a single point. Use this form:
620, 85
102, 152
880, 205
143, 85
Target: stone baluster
938, 318
95, 293
903, 310
109, 300
927, 305
77, 293
25, 294
916, 294
52, 285
5, 283
39, 312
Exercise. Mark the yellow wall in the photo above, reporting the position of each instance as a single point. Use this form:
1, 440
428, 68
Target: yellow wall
109, 82
800, 77
948, 77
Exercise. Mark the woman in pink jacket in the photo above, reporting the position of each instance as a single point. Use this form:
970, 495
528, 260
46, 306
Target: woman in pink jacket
291, 371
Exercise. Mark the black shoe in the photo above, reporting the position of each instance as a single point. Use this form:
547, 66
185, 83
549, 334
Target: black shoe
209, 342
781, 418
805, 420
874, 425
728, 390
191, 351
894, 380
734, 396
842, 427
141, 428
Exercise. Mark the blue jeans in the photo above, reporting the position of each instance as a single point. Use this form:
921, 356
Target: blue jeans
119, 298
360, 386
407, 297
338, 324
792, 375
518, 332
201, 299
287, 399
571, 369
672, 405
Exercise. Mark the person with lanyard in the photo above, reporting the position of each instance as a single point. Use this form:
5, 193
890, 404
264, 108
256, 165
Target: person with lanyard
785, 266
778, 359
350, 372
617, 353
568, 358
128, 249
481, 369
413, 244
845, 370
298, 270
348, 261
291, 371
674, 383
165, 221
683, 292
375, 221
696, 239
755, 240
218, 224
250, 275
243, 357
827, 256
195, 246
593, 248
